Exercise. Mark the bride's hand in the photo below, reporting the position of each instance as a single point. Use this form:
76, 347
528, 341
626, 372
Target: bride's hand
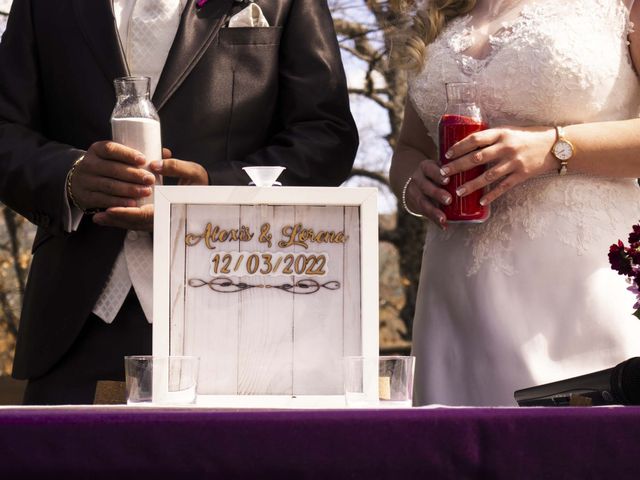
424, 194
512, 155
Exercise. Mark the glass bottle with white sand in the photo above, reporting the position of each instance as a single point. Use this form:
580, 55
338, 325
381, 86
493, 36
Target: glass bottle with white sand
135, 122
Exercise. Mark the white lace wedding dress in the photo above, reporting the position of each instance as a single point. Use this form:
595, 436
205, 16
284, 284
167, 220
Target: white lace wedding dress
528, 297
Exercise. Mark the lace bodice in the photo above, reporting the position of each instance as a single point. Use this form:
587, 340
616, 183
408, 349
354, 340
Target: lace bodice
557, 62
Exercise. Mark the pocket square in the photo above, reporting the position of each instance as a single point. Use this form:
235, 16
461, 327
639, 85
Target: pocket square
251, 16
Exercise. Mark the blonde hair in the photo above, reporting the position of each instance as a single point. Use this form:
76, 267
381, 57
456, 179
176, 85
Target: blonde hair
428, 22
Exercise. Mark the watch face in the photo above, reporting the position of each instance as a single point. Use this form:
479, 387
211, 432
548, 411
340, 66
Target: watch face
563, 150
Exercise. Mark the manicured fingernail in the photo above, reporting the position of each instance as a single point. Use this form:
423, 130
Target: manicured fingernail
483, 201
445, 181
446, 199
156, 165
149, 179
444, 171
442, 219
140, 159
461, 191
448, 155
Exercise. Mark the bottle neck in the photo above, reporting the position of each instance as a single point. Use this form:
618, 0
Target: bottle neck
122, 97
460, 93
132, 87
465, 109
461, 103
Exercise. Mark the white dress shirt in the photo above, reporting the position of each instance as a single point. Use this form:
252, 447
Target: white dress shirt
146, 51
146, 44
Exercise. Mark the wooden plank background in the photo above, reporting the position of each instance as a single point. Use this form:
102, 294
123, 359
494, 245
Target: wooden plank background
264, 340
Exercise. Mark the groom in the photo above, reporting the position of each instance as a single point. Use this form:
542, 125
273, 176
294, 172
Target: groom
235, 83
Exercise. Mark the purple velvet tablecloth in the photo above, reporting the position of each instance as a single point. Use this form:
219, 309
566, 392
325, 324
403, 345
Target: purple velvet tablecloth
540, 443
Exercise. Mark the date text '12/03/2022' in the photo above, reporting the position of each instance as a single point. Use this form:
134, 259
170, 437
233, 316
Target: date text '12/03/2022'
267, 263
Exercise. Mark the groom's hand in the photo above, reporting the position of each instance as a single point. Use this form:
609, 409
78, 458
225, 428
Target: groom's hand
127, 218
187, 173
141, 218
108, 176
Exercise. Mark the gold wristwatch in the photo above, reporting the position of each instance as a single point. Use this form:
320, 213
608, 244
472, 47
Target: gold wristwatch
563, 150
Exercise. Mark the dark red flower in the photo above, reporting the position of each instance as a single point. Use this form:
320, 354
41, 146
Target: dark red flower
620, 260
626, 261
634, 254
634, 237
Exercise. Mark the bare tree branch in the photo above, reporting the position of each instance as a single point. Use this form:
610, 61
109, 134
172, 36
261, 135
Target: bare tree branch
365, 57
389, 236
377, 176
363, 92
350, 29
376, 98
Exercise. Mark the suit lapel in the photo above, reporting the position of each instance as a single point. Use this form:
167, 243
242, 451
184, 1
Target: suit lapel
198, 28
98, 27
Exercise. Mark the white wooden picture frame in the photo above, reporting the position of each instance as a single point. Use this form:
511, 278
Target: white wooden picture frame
270, 286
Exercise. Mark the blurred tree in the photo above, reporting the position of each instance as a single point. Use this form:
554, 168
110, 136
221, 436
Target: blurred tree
14, 261
16, 235
365, 30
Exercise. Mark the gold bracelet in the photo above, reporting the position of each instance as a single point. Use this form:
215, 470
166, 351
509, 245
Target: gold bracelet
404, 200
70, 193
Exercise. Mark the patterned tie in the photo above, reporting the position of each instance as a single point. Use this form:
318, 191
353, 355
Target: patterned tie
133, 267
152, 28
138, 252
148, 40
114, 292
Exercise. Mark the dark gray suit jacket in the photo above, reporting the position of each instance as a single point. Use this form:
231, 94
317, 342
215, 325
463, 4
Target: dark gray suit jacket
226, 98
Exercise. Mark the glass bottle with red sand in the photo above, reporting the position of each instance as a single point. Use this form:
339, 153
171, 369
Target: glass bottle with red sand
462, 118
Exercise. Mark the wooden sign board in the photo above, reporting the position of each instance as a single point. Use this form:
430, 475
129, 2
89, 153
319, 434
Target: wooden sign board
270, 287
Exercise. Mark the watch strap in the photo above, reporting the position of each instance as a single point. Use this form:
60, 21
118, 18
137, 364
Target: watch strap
564, 164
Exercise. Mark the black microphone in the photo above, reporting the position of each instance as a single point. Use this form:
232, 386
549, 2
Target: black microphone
619, 385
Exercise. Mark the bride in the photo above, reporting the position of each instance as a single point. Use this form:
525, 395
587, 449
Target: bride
528, 296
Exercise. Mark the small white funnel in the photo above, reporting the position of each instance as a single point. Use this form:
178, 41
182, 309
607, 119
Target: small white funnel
264, 176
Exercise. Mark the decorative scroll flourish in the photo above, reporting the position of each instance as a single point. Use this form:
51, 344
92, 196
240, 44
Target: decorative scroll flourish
306, 286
